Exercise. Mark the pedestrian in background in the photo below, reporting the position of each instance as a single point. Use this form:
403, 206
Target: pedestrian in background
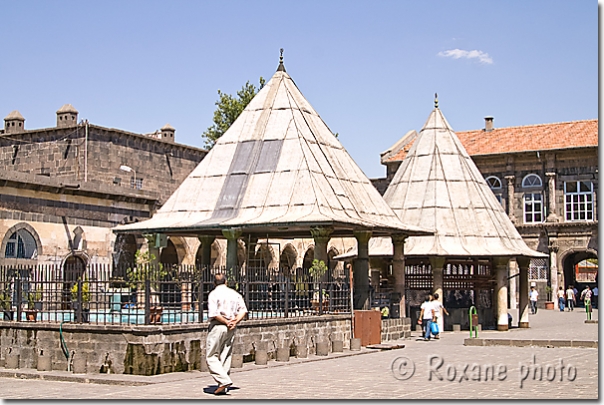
533, 297
594, 297
438, 309
561, 300
426, 316
586, 296
226, 309
570, 298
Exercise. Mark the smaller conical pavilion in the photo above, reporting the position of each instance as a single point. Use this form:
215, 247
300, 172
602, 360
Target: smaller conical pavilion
439, 187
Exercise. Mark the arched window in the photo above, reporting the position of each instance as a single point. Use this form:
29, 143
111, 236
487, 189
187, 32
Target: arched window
494, 182
531, 180
21, 245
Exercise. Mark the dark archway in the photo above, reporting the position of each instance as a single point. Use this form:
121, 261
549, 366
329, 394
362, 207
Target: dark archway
287, 260
73, 270
573, 276
308, 258
124, 251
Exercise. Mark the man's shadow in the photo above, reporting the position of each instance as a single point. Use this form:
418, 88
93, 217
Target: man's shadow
212, 388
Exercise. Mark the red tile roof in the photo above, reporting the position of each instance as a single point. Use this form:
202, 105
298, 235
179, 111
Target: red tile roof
563, 135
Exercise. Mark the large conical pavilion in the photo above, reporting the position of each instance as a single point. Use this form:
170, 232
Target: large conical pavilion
277, 170
439, 187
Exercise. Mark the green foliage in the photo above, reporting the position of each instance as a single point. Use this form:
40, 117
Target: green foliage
5, 300
318, 269
74, 292
228, 109
143, 270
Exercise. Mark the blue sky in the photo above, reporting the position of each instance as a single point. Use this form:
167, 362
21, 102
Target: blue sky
369, 68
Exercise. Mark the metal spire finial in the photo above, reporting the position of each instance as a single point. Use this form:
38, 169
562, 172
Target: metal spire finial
281, 67
435, 100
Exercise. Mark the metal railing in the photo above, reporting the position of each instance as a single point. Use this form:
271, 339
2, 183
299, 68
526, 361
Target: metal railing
163, 293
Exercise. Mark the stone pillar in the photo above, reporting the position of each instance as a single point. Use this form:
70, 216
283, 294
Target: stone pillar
500, 265
206, 249
321, 236
398, 269
437, 264
511, 198
513, 283
231, 235
153, 250
551, 200
361, 270
553, 269
523, 308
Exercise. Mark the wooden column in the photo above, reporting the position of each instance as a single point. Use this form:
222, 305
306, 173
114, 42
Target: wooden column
361, 270
523, 308
398, 269
500, 265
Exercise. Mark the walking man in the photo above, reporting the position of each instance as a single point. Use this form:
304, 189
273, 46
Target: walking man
226, 309
426, 316
438, 309
533, 296
570, 298
594, 297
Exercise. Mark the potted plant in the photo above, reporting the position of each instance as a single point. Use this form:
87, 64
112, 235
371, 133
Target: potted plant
6, 305
549, 304
85, 295
31, 314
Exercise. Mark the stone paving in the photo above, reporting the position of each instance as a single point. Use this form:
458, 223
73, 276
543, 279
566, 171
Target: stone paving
439, 369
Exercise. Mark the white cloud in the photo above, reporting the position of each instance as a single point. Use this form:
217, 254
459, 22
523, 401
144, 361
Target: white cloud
482, 57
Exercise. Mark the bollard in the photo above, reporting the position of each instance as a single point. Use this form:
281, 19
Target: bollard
2, 362
322, 349
418, 328
80, 362
301, 351
283, 354
456, 327
237, 361
337, 346
44, 362
12, 360
261, 357
355, 344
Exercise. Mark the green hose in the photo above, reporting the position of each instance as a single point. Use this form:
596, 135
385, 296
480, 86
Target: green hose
63, 344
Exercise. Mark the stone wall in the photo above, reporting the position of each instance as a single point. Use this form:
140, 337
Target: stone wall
394, 329
150, 350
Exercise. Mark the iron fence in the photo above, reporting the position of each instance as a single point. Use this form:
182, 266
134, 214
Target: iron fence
163, 293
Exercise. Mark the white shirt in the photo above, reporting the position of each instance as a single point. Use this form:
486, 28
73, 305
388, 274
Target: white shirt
534, 295
436, 306
226, 302
595, 291
570, 294
428, 308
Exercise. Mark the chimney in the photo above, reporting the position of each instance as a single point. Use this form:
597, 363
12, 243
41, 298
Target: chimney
488, 123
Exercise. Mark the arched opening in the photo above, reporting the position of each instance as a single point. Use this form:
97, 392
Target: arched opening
287, 260
170, 294
169, 254
264, 256
331, 263
21, 244
580, 270
74, 268
124, 251
308, 258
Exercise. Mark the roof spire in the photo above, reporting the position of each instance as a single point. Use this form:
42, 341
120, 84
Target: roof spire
281, 68
435, 100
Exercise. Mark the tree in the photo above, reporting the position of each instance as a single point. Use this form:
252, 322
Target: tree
228, 109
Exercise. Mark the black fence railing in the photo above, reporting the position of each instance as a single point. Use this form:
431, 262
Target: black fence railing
164, 293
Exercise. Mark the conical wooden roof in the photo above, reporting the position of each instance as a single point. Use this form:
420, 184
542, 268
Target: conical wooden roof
438, 186
277, 169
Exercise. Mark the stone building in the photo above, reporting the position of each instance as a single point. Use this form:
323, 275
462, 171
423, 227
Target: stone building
546, 178
63, 188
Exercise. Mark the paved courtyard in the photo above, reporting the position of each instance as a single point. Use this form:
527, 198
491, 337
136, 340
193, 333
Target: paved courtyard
439, 369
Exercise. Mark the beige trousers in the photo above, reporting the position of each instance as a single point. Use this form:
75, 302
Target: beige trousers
219, 347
